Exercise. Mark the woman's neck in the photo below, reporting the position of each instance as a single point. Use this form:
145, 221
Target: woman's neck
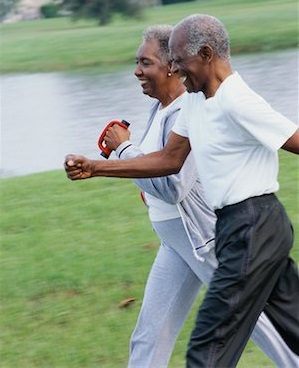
170, 96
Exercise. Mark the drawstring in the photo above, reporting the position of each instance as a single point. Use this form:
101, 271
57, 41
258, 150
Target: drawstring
197, 256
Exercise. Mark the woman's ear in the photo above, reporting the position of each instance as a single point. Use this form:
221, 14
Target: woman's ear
206, 52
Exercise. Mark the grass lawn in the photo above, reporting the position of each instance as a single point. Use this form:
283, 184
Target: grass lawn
61, 44
70, 252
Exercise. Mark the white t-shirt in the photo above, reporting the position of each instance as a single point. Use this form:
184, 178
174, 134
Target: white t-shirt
234, 137
158, 210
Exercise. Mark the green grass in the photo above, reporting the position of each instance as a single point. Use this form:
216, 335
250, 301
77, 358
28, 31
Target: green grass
61, 44
70, 252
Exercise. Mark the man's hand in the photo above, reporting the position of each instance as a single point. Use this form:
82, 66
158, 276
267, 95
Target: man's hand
78, 167
115, 136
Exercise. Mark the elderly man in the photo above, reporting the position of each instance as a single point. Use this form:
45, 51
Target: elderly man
234, 135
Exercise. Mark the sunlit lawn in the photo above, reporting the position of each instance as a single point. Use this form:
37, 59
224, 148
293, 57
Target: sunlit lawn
70, 252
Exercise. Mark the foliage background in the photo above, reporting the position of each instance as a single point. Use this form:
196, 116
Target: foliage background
60, 44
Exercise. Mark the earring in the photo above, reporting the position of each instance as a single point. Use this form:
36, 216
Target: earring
169, 74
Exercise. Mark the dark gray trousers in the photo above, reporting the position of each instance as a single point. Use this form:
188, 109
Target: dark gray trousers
255, 273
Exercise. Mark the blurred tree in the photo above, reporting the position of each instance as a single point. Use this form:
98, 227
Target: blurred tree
6, 6
103, 10
50, 10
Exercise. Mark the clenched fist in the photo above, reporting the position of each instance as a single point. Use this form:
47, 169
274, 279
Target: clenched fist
77, 167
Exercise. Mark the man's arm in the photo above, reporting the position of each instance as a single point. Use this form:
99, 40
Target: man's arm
165, 162
171, 188
292, 144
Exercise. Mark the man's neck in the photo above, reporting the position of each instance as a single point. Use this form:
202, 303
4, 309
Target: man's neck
220, 71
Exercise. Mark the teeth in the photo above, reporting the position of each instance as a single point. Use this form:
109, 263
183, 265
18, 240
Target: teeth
183, 79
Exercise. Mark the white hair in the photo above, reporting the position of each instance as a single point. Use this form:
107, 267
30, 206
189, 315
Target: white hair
160, 33
203, 29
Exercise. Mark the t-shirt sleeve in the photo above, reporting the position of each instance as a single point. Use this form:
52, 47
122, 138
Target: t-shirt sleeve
258, 118
181, 124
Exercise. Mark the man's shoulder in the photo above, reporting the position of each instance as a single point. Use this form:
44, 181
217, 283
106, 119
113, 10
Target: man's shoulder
233, 92
234, 86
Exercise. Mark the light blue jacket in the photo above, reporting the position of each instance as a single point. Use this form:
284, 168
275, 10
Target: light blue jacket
183, 189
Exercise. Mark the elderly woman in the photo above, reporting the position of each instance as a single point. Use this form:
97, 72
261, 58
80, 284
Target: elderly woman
180, 217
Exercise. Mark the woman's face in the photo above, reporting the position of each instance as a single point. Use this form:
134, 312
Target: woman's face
150, 71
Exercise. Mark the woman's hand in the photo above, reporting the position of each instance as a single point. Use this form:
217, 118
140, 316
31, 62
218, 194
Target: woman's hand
116, 135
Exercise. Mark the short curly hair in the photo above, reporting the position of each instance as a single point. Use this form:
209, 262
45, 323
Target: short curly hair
160, 33
203, 29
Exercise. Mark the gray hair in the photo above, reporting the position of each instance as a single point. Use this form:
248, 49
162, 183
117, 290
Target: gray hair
203, 29
160, 33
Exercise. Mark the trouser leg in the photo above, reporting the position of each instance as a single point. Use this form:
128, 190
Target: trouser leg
264, 333
252, 246
285, 297
170, 292
267, 338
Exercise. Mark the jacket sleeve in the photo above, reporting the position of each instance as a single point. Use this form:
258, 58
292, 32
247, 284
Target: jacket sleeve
173, 188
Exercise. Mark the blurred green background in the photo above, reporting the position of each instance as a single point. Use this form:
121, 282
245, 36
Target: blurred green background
71, 251
62, 44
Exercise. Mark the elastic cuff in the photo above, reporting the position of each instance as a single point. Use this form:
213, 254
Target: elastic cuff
123, 146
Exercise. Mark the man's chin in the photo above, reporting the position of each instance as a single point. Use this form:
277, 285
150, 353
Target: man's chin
188, 86
189, 89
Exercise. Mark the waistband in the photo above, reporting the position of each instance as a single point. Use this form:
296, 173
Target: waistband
258, 200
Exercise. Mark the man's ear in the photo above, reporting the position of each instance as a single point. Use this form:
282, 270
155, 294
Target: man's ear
206, 52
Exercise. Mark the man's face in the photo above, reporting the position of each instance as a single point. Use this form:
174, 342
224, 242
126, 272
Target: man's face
191, 69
